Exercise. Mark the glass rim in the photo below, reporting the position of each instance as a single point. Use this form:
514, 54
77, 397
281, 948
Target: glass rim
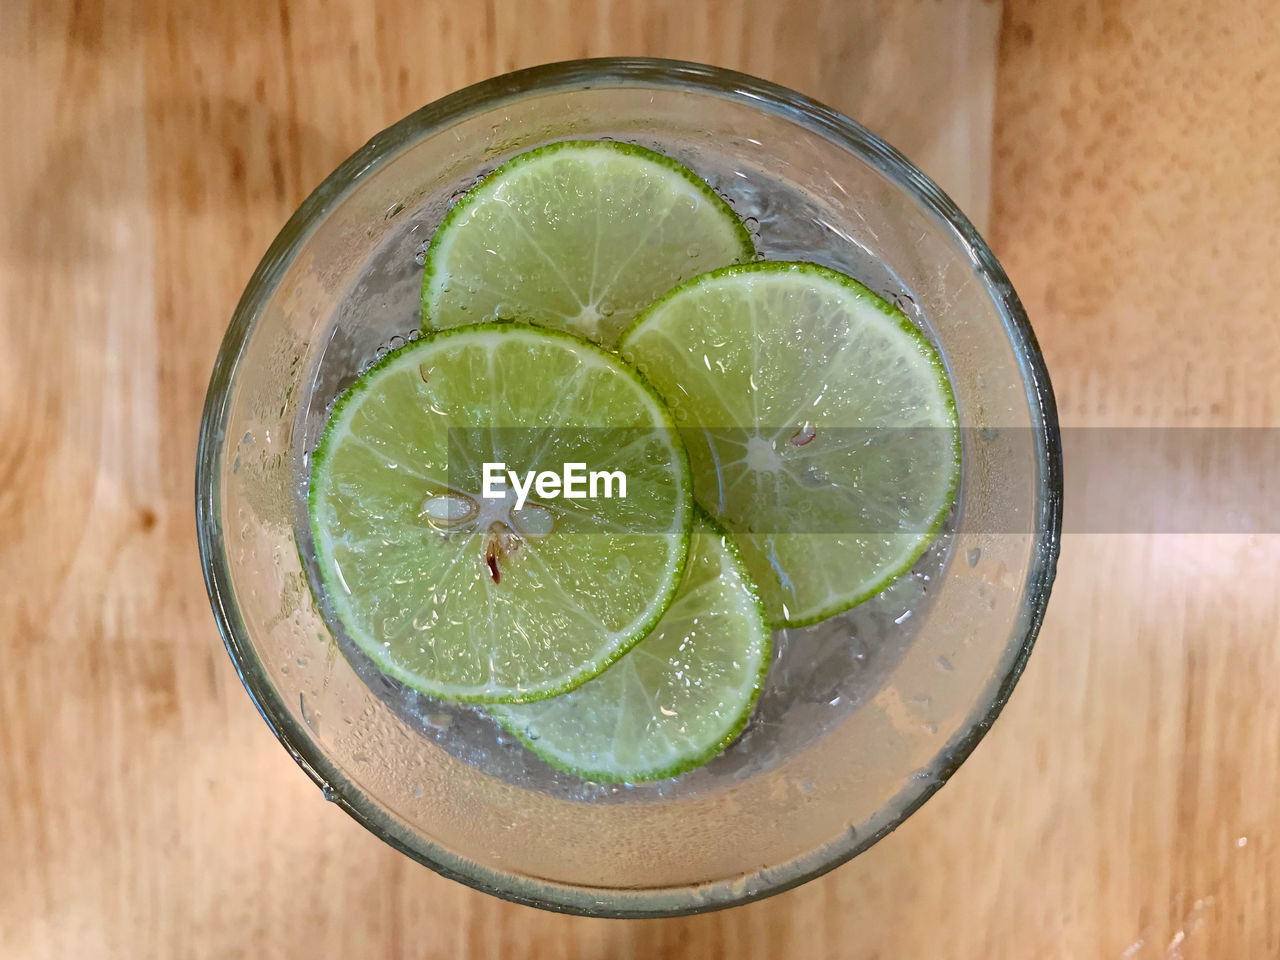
438, 116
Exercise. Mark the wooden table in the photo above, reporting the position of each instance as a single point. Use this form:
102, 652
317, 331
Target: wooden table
1127, 804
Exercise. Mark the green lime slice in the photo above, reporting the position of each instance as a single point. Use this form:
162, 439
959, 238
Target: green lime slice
824, 429
473, 597
679, 697
579, 235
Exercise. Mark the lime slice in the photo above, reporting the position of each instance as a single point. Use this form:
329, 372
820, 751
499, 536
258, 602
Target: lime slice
825, 431
679, 697
469, 597
579, 235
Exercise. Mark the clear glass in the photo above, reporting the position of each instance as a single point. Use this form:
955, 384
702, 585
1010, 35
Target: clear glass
864, 716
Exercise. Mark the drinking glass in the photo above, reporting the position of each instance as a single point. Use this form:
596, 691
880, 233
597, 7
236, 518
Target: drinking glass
862, 717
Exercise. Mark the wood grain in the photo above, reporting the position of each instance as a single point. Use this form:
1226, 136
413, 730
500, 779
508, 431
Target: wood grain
1127, 804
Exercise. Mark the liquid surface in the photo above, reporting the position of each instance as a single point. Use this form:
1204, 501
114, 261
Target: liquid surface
818, 674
